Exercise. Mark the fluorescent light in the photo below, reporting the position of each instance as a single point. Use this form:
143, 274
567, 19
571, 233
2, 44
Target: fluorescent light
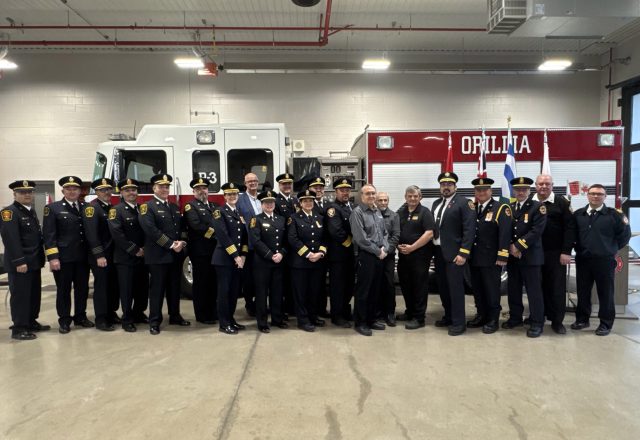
554, 65
6, 64
189, 63
376, 64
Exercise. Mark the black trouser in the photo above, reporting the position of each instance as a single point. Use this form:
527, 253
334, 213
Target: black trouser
205, 289
26, 292
554, 287
229, 285
413, 274
306, 290
287, 288
341, 283
134, 291
369, 276
106, 294
485, 281
268, 279
248, 283
529, 277
165, 279
451, 288
600, 270
324, 294
76, 274
387, 303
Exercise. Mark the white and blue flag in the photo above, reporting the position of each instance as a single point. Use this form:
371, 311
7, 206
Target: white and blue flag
510, 171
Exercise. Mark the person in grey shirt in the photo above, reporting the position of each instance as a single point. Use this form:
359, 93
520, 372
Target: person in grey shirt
386, 308
371, 248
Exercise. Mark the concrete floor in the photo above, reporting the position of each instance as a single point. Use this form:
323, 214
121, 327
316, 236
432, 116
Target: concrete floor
196, 383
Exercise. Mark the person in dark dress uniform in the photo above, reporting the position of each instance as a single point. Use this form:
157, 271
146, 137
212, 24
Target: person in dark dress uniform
525, 258
601, 233
198, 218
453, 238
489, 255
305, 232
23, 259
317, 185
106, 297
65, 247
340, 253
162, 224
286, 205
229, 257
267, 232
557, 241
415, 250
128, 255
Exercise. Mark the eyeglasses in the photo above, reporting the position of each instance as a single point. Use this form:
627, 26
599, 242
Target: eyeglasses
597, 194
252, 181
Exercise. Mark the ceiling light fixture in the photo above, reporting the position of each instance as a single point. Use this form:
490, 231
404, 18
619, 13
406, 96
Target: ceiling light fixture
376, 64
189, 63
554, 65
7, 65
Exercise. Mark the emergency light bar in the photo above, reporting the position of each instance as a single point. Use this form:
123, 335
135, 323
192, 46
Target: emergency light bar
606, 139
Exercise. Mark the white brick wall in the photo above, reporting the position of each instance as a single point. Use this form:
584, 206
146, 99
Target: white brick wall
56, 108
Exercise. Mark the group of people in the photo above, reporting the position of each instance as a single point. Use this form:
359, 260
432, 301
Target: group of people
276, 250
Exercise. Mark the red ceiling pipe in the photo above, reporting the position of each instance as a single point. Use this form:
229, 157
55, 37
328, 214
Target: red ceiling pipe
168, 43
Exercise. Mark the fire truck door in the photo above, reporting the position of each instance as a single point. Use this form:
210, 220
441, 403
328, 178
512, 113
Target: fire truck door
252, 151
141, 163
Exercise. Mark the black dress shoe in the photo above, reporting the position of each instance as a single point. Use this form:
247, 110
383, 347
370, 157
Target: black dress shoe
559, 329
280, 324
264, 329
414, 324
230, 330
403, 317
456, 330
444, 322
129, 328
578, 325
64, 329
105, 327
490, 327
319, 323
154, 329
377, 326
534, 331
343, 323
511, 324
85, 323
364, 330
207, 322
142, 319
179, 320
23, 336
307, 327
527, 321
238, 326
603, 330
391, 320
114, 319
477, 322
37, 327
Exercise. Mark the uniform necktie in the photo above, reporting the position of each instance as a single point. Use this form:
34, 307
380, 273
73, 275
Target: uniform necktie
75, 206
518, 206
439, 216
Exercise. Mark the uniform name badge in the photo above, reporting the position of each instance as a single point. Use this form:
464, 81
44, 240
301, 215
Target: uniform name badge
489, 216
414, 217
526, 217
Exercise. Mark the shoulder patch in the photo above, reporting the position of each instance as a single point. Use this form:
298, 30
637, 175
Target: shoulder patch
46, 211
543, 209
143, 208
471, 205
289, 220
112, 213
89, 211
216, 214
625, 220
253, 223
187, 207
331, 212
7, 215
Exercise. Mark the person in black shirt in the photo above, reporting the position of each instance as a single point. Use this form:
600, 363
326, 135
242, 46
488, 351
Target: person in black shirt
601, 233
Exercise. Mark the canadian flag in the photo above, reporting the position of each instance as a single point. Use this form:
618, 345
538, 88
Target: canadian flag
576, 188
47, 199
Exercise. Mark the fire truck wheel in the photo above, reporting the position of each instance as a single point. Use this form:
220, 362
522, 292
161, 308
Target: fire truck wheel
186, 280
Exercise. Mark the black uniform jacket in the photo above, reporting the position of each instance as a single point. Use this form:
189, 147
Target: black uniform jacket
63, 230
94, 217
286, 207
493, 235
526, 231
603, 235
231, 235
305, 236
127, 233
268, 237
338, 232
162, 226
457, 227
22, 238
201, 233
560, 232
